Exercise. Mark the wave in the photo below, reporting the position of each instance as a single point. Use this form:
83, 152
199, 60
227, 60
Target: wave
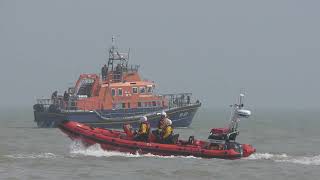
313, 160
32, 156
77, 148
266, 156
304, 160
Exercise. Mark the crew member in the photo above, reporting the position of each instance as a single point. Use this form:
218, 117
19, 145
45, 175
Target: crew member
54, 97
164, 120
104, 72
66, 99
143, 132
167, 134
66, 96
161, 125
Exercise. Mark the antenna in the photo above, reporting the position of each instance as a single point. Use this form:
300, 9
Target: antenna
129, 54
113, 39
241, 100
237, 113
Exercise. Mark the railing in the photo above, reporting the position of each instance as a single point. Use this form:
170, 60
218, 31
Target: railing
128, 113
116, 75
174, 101
179, 100
74, 104
133, 68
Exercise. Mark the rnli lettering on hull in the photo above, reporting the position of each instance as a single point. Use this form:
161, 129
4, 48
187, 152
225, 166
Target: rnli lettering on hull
183, 114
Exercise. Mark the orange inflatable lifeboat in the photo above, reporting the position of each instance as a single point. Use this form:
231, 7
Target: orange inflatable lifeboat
114, 140
221, 141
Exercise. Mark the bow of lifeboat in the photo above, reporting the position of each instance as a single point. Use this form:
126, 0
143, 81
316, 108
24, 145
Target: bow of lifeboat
86, 134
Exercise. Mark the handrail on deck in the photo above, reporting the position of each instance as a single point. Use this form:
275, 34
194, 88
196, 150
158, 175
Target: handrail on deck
179, 99
173, 101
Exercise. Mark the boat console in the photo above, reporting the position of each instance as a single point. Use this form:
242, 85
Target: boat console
224, 138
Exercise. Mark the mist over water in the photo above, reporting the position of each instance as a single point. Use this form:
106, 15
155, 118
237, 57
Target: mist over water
287, 143
213, 49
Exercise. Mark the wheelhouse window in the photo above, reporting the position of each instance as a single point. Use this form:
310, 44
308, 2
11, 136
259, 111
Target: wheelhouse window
149, 89
120, 92
113, 92
118, 106
85, 87
142, 90
135, 90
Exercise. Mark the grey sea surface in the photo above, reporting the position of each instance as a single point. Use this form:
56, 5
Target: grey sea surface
287, 142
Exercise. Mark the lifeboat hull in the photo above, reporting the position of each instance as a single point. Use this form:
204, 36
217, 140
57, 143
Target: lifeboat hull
114, 140
181, 117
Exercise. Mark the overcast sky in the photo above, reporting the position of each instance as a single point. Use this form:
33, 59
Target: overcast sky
211, 48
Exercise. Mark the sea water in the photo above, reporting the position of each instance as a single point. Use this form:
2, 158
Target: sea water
287, 143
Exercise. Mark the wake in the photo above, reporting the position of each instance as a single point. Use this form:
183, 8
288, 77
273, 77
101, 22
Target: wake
32, 156
304, 160
77, 149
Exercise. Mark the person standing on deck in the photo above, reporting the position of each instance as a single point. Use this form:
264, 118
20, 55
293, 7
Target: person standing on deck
104, 72
54, 97
66, 99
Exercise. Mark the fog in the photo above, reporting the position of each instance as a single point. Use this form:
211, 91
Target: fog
214, 49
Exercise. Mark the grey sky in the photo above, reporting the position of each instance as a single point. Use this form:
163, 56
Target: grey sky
211, 48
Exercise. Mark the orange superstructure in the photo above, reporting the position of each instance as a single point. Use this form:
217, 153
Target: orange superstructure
119, 87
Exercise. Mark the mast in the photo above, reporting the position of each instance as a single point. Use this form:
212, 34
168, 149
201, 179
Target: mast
237, 113
117, 62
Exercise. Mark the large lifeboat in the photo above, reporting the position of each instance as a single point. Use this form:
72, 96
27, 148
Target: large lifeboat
116, 96
221, 141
